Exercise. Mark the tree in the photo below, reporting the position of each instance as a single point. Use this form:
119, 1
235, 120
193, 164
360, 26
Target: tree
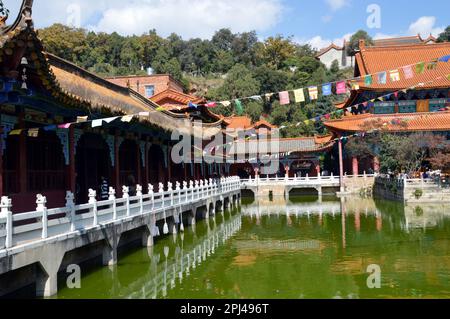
223, 40
353, 45
254, 110
444, 36
239, 83
271, 80
276, 51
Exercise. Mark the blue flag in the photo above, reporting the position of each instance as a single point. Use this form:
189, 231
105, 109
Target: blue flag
326, 89
192, 105
445, 58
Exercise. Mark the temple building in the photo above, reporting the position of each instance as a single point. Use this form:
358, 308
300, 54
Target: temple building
339, 53
423, 107
296, 156
40, 92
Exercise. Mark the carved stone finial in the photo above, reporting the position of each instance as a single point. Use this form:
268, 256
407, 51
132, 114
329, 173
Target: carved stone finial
112, 193
139, 190
150, 188
70, 199
125, 191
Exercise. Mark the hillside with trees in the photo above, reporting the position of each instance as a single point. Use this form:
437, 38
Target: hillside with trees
225, 67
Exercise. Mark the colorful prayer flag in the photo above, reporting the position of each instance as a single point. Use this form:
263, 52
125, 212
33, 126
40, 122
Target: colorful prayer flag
326, 89
239, 108
382, 77
445, 58
408, 72
144, 113
160, 109
394, 75
432, 65
50, 128
192, 105
110, 119
256, 97
226, 103
82, 119
268, 96
299, 96
33, 132
15, 132
98, 123
341, 87
127, 118
284, 98
420, 67
65, 126
354, 85
211, 104
313, 93
368, 80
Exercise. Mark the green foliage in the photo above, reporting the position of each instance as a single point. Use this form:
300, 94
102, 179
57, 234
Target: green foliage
418, 193
444, 36
227, 67
353, 45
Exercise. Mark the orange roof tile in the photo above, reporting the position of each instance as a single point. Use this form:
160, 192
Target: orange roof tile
328, 48
178, 98
371, 60
435, 121
415, 39
238, 122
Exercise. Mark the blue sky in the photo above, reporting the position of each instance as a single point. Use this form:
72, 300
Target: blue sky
318, 22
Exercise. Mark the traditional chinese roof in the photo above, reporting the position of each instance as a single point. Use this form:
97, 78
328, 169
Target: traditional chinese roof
371, 60
415, 39
70, 86
407, 122
328, 48
283, 145
171, 99
238, 122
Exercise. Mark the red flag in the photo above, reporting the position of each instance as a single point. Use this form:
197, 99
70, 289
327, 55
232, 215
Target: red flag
284, 98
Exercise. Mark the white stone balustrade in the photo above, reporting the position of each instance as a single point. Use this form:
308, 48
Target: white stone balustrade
47, 223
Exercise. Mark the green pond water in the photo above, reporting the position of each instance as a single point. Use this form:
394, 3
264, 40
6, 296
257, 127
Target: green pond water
301, 249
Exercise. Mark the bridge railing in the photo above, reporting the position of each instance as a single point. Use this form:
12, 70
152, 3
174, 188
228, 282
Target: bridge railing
301, 180
43, 223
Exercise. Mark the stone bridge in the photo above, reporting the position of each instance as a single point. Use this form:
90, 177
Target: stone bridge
38, 245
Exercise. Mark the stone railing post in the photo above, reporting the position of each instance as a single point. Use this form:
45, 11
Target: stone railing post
197, 189
93, 201
41, 202
191, 187
126, 195
152, 195
141, 199
201, 189
185, 189
70, 204
112, 197
162, 196
170, 190
178, 191
5, 212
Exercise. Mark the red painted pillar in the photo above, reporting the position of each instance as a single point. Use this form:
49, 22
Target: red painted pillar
138, 164
117, 164
71, 168
355, 166
146, 164
286, 171
318, 169
341, 166
1, 163
22, 158
376, 164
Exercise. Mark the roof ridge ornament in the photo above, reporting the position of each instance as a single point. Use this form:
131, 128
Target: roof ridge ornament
4, 14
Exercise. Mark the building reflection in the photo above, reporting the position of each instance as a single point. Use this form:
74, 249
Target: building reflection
167, 269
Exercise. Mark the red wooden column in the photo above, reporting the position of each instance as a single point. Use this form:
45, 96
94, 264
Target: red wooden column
116, 162
71, 169
146, 165
169, 163
355, 166
341, 166
22, 157
318, 169
376, 164
1, 162
138, 163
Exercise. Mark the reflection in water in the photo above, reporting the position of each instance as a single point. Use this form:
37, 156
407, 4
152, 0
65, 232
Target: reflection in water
304, 248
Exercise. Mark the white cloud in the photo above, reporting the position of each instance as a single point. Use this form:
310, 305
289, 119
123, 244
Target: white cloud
425, 26
337, 4
318, 42
189, 18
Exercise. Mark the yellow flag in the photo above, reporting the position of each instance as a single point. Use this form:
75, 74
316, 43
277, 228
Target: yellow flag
15, 132
299, 96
